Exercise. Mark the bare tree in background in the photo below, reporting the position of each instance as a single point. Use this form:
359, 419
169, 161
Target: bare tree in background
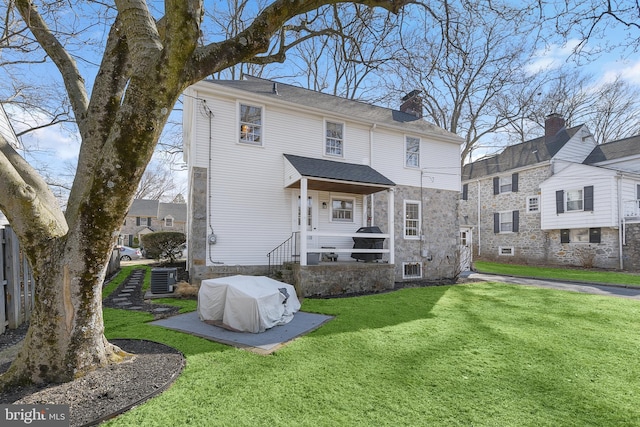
146, 64
344, 62
468, 61
610, 110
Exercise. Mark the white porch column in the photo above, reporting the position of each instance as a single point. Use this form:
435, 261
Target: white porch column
391, 214
304, 218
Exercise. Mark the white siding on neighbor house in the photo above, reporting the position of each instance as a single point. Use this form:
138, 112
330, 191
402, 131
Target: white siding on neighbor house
578, 147
577, 176
628, 164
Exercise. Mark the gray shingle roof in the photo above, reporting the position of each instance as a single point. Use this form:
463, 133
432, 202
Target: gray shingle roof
519, 155
329, 169
614, 150
334, 105
176, 210
144, 208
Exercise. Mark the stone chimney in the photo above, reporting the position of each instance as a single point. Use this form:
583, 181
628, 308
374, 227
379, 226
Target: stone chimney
412, 103
552, 125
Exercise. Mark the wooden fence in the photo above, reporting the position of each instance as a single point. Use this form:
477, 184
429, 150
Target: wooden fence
17, 292
16, 296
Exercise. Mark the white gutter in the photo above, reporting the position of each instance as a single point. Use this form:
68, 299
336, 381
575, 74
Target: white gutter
479, 239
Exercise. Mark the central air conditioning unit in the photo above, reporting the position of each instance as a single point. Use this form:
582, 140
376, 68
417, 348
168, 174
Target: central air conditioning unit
163, 279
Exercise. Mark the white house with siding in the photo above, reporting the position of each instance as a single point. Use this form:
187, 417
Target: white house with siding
255, 148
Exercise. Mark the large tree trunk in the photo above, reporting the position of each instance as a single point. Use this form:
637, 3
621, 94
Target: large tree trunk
65, 338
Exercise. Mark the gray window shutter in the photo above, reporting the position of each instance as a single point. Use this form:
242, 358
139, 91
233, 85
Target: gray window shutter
496, 185
516, 221
564, 235
465, 192
514, 183
496, 222
594, 235
638, 192
149, 221
588, 198
559, 201
137, 220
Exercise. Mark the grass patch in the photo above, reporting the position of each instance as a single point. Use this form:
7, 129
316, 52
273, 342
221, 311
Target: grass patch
580, 275
482, 354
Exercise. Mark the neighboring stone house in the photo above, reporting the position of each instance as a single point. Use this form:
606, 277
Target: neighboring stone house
256, 148
146, 216
558, 199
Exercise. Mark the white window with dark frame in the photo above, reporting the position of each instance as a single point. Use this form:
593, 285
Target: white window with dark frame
412, 152
168, 222
505, 184
506, 222
533, 204
250, 124
412, 216
411, 270
580, 235
342, 209
334, 139
575, 200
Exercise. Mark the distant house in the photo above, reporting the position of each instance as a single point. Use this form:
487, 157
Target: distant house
146, 216
559, 199
285, 180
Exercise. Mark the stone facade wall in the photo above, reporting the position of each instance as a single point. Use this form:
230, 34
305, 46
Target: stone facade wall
339, 279
196, 237
631, 251
601, 255
438, 251
530, 242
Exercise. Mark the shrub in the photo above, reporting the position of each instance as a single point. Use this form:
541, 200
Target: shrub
164, 245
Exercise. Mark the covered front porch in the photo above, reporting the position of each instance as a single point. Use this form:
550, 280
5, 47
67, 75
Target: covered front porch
339, 254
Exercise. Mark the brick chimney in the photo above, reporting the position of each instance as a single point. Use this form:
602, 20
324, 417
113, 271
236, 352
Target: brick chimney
412, 103
552, 125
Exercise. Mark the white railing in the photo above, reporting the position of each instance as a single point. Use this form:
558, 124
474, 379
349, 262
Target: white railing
330, 248
631, 208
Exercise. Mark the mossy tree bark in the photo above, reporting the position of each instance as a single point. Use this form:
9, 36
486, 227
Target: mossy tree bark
146, 65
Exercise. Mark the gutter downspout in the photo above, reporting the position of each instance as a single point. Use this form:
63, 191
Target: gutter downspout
621, 223
370, 220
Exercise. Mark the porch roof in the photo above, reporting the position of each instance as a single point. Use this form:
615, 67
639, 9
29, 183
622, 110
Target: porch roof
329, 175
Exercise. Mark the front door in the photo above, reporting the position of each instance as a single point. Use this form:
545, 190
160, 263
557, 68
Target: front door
466, 256
312, 216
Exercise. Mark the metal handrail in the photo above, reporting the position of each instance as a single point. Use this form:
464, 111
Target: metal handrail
285, 252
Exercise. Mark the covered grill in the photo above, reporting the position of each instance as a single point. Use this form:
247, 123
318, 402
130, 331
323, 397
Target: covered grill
367, 243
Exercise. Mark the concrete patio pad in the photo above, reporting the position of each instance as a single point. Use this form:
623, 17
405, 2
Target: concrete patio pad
263, 343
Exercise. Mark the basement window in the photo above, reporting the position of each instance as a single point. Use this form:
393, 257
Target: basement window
411, 270
505, 251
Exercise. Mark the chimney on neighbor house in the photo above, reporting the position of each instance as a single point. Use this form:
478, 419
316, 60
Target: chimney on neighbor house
412, 103
552, 125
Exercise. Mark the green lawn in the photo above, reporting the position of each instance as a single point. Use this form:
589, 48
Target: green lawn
581, 275
483, 354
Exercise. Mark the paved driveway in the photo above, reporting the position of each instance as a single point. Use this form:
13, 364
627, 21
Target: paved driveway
587, 288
